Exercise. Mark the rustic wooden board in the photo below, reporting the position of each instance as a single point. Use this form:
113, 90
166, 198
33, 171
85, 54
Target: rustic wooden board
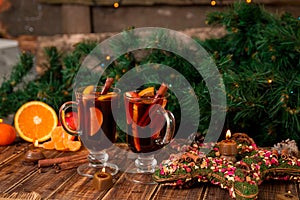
43, 183
10, 152
269, 189
32, 180
130, 190
15, 177
78, 187
167, 192
13, 170
216, 193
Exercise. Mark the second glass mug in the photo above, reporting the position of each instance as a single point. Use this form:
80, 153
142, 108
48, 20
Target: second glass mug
149, 128
96, 126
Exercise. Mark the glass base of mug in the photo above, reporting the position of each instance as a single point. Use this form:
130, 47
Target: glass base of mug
145, 166
89, 169
134, 175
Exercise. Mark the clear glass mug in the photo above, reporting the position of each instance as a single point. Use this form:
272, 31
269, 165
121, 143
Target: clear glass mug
96, 126
149, 128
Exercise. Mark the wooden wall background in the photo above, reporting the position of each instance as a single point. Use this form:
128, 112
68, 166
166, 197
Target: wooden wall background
51, 17
160, 2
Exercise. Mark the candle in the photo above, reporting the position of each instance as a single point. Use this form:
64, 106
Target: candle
102, 180
228, 147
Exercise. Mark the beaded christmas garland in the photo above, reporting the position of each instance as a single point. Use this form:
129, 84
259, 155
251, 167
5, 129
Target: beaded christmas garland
240, 178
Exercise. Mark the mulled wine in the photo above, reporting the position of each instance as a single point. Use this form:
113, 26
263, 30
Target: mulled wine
146, 120
96, 125
96, 121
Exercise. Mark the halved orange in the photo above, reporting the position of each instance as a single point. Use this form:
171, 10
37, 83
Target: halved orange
147, 92
35, 120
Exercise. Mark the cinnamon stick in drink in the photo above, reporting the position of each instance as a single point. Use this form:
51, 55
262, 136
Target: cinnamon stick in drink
107, 85
159, 94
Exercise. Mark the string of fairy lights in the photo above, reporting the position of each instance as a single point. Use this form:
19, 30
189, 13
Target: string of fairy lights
212, 3
215, 2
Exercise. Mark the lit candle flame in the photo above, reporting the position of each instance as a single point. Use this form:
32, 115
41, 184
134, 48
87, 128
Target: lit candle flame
36, 143
103, 170
228, 134
1, 120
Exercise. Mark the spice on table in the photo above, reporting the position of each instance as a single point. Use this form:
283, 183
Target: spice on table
34, 155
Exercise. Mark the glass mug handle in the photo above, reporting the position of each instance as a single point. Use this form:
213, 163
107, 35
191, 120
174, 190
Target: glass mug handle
62, 117
170, 129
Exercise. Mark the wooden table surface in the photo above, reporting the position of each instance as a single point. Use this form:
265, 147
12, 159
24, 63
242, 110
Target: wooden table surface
49, 183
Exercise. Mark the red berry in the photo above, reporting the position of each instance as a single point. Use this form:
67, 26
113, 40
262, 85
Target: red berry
72, 120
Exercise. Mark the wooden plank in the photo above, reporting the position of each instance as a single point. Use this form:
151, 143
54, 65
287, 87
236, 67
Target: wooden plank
10, 152
14, 172
216, 193
126, 189
76, 19
269, 189
79, 187
44, 183
168, 193
47, 181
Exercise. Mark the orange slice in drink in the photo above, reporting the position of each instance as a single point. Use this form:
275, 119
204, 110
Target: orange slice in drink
134, 125
96, 118
88, 90
147, 92
35, 120
107, 96
132, 94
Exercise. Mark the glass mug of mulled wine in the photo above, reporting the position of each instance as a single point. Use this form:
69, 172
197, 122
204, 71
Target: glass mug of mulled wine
149, 128
96, 126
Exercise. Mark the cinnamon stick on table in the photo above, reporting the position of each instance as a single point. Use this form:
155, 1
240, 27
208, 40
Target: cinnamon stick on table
71, 164
52, 161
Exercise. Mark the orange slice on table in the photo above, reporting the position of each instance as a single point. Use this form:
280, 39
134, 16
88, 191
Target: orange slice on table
61, 141
147, 92
73, 145
48, 145
35, 120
